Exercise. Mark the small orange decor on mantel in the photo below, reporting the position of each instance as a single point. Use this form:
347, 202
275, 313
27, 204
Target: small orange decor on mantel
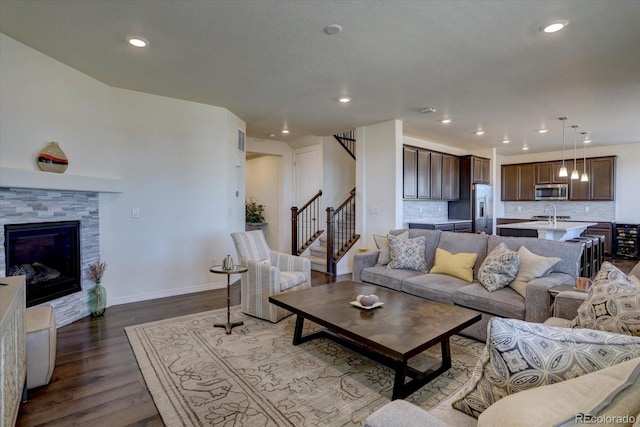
52, 158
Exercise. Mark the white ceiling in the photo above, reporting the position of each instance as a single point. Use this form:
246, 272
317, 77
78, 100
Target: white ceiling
484, 64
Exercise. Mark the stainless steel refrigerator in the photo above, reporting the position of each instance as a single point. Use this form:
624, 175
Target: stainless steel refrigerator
482, 208
475, 203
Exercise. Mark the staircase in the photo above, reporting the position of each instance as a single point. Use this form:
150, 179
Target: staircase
339, 235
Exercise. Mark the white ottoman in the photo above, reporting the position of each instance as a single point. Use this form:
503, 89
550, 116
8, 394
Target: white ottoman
41, 345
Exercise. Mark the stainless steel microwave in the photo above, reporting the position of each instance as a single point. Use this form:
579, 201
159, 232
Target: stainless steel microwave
552, 192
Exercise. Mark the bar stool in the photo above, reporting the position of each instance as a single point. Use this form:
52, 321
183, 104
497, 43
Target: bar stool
587, 254
599, 254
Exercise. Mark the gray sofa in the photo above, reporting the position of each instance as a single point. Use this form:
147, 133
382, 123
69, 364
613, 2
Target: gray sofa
536, 307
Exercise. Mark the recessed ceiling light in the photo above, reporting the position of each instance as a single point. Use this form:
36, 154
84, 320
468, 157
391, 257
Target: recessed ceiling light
525, 147
543, 130
445, 121
137, 42
272, 135
285, 131
332, 29
554, 26
506, 141
344, 99
480, 132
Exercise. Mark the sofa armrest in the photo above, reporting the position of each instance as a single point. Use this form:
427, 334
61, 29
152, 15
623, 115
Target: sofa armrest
566, 304
361, 261
537, 304
400, 413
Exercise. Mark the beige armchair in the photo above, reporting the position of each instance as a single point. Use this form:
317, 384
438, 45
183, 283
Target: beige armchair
269, 273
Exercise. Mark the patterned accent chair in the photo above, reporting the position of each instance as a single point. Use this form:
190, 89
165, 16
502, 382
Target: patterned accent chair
269, 273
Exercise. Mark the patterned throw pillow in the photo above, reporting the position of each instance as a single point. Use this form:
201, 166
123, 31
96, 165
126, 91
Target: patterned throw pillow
499, 268
613, 303
382, 242
522, 355
458, 265
407, 253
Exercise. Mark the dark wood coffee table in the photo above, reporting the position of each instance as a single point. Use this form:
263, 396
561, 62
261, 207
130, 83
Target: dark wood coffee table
403, 327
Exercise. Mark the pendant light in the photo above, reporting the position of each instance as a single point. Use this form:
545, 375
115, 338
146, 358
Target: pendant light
563, 169
584, 176
574, 173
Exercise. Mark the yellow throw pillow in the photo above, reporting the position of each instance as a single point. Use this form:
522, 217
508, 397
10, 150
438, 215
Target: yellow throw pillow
458, 265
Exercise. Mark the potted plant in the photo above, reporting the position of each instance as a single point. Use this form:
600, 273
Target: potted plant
98, 296
254, 214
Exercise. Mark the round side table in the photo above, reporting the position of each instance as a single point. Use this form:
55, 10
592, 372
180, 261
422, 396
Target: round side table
235, 270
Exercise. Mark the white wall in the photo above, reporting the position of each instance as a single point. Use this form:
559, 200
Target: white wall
178, 161
339, 173
378, 180
264, 176
285, 153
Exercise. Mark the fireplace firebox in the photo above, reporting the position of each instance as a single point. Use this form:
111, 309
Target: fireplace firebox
48, 254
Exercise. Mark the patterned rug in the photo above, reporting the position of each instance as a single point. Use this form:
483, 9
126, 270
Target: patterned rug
198, 375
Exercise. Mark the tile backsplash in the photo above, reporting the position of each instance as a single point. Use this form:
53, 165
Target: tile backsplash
578, 211
424, 211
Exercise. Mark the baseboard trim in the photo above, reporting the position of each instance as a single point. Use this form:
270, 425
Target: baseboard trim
167, 293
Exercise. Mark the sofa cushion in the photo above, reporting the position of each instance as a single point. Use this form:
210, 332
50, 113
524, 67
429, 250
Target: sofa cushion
458, 265
531, 267
407, 253
465, 242
436, 287
612, 392
389, 278
613, 303
521, 355
499, 268
382, 242
504, 302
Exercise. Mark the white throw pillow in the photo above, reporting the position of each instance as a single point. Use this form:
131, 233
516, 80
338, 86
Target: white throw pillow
531, 267
382, 242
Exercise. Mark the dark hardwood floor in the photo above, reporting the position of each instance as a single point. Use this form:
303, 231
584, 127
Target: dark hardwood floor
96, 380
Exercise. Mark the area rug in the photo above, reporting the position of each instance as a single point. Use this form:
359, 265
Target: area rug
198, 375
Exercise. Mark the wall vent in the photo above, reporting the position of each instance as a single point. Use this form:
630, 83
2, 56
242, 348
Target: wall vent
240, 140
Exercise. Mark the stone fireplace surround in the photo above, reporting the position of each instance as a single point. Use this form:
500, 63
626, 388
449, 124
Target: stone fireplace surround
23, 205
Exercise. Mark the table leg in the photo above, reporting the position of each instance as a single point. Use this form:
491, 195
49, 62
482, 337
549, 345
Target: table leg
228, 326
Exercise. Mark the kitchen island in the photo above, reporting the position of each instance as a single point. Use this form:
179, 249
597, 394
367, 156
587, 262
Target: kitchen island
561, 230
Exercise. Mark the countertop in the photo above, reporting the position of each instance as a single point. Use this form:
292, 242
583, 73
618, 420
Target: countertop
544, 225
436, 222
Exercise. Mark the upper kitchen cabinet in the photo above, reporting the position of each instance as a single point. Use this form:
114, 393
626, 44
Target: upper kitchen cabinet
436, 176
518, 182
480, 170
578, 190
410, 172
549, 173
429, 175
602, 178
450, 177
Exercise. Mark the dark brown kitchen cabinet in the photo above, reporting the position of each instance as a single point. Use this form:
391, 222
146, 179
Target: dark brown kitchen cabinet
450, 177
518, 182
549, 173
410, 173
436, 176
602, 178
602, 229
424, 174
578, 190
481, 170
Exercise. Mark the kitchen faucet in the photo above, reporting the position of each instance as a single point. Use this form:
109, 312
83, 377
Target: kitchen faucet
551, 205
